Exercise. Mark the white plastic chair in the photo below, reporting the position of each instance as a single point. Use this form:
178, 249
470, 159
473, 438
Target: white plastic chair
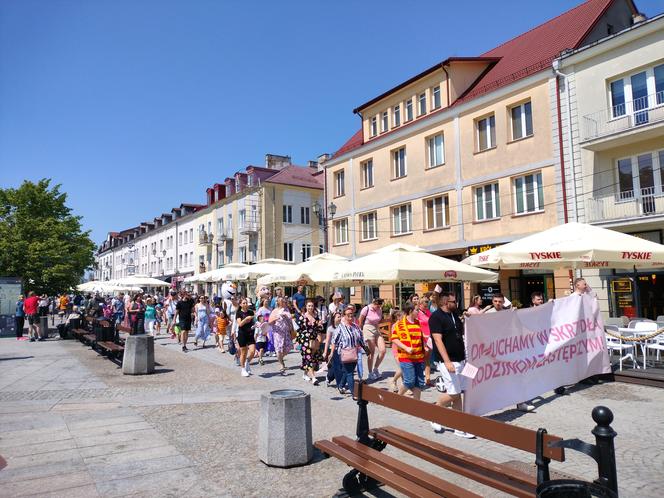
617, 344
648, 327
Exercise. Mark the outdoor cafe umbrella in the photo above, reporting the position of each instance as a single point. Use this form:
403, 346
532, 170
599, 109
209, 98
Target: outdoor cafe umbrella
264, 267
573, 246
102, 286
319, 268
231, 271
402, 263
138, 281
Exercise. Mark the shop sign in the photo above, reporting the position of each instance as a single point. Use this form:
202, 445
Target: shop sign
472, 250
621, 286
487, 291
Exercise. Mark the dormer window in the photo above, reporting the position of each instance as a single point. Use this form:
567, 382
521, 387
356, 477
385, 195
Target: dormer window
374, 126
435, 98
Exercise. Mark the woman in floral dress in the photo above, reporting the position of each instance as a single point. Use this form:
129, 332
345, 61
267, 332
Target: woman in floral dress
309, 326
281, 322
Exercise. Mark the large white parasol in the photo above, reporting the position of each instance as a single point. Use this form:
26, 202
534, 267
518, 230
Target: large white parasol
573, 245
405, 263
319, 268
139, 281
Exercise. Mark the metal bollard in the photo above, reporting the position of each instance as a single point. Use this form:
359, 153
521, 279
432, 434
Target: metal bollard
43, 327
604, 436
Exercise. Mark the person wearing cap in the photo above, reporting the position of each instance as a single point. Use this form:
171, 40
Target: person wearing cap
370, 318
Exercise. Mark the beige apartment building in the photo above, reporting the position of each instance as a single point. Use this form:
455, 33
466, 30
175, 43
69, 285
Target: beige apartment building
614, 152
462, 156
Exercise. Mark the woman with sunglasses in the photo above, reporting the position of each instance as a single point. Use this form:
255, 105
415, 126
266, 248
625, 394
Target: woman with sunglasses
346, 341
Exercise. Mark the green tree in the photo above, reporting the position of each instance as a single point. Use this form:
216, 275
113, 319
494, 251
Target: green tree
41, 241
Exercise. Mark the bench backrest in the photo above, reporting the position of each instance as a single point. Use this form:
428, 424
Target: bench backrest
486, 428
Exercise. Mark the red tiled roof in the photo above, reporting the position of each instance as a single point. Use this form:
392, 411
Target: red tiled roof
353, 143
298, 176
528, 53
534, 50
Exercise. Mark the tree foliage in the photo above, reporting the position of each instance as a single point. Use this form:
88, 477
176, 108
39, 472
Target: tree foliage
41, 241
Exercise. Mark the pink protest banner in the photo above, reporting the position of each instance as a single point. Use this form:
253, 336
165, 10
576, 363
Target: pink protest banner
522, 354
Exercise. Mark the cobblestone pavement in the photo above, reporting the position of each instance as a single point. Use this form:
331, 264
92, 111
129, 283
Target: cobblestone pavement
72, 425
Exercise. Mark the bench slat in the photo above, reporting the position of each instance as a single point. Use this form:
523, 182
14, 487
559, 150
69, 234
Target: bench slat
110, 346
373, 469
493, 430
419, 477
478, 469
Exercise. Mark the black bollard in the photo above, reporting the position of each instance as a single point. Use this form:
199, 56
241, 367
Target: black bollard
43, 327
604, 435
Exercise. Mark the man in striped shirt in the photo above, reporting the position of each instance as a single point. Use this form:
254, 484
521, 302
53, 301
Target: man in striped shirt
407, 337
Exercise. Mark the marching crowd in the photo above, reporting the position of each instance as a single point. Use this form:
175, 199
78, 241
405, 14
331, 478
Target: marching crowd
332, 336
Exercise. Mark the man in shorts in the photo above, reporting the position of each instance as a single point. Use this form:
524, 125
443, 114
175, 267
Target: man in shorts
409, 341
447, 335
31, 307
184, 311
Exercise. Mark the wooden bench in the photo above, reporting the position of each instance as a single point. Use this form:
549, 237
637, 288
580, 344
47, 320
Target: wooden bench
370, 466
111, 349
79, 333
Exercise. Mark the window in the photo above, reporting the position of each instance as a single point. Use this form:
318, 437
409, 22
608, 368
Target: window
437, 212
486, 133
287, 213
185, 259
243, 255
220, 225
641, 176
401, 219
637, 92
339, 183
306, 252
161, 244
396, 115
229, 225
341, 232
288, 251
374, 127
191, 235
368, 225
409, 110
321, 249
487, 202
367, 174
435, 98
242, 219
436, 152
191, 258
528, 194
423, 103
522, 121
399, 162
384, 122
180, 239
305, 216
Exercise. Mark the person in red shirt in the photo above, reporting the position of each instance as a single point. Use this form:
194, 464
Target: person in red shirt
31, 307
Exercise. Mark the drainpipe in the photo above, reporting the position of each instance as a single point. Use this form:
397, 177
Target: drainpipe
447, 84
570, 144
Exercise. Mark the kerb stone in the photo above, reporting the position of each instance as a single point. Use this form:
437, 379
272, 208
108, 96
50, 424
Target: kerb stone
284, 430
138, 357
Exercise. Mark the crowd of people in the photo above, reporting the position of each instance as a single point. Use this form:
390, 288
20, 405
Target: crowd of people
332, 336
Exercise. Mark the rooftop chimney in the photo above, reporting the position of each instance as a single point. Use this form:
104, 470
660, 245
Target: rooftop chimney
638, 18
273, 161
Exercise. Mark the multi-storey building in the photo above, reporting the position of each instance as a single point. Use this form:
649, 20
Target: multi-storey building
614, 151
258, 213
461, 157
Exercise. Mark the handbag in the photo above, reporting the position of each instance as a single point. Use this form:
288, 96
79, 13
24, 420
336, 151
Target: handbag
348, 355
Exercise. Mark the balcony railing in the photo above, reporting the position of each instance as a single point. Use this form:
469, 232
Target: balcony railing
226, 235
249, 228
625, 205
623, 117
204, 238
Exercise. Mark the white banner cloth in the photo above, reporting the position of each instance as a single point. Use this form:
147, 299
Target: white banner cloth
522, 354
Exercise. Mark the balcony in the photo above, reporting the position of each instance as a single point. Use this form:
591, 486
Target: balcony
205, 239
250, 228
226, 235
625, 206
632, 116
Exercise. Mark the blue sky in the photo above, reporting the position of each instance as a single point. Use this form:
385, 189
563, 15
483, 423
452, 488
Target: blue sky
135, 106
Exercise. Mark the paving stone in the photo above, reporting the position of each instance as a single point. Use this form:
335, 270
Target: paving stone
133, 455
124, 470
52, 484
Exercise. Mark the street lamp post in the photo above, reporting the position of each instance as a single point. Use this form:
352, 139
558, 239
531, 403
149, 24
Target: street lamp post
322, 214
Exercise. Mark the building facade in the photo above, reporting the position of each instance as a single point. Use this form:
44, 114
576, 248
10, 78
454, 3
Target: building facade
462, 156
614, 152
258, 213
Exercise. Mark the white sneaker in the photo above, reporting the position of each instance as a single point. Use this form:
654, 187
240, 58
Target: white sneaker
245, 373
525, 407
305, 377
437, 427
467, 435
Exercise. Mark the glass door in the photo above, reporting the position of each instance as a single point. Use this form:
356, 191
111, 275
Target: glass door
639, 83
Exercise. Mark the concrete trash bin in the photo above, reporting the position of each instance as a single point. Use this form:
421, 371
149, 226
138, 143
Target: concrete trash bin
284, 431
138, 356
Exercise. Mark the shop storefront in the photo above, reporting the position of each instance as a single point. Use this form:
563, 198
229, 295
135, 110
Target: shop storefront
637, 296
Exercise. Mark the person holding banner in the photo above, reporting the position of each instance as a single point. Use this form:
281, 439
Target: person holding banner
408, 338
447, 333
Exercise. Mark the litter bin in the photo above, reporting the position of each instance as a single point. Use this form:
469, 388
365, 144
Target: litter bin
284, 430
138, 357
43, 327
570, 488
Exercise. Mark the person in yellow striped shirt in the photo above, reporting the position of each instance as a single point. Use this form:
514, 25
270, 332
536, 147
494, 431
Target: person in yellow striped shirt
408, 338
